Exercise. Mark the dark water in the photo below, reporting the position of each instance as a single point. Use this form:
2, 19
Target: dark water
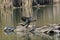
49, 14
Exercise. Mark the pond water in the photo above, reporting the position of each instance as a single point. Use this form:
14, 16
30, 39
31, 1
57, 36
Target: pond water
50, 14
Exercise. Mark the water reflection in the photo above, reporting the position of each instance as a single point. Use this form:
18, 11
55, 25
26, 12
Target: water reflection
44, 15
9, 33
47, 15
17, 13
23, 36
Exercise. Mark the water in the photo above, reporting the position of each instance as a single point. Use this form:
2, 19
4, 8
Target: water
49, 14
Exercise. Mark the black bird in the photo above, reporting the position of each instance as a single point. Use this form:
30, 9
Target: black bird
27, 21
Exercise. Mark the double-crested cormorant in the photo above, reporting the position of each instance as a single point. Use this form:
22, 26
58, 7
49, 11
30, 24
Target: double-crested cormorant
27, 21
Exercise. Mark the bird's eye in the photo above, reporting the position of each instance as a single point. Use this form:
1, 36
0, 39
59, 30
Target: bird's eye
59, 28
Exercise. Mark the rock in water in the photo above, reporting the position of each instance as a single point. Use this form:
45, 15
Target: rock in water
9, 29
